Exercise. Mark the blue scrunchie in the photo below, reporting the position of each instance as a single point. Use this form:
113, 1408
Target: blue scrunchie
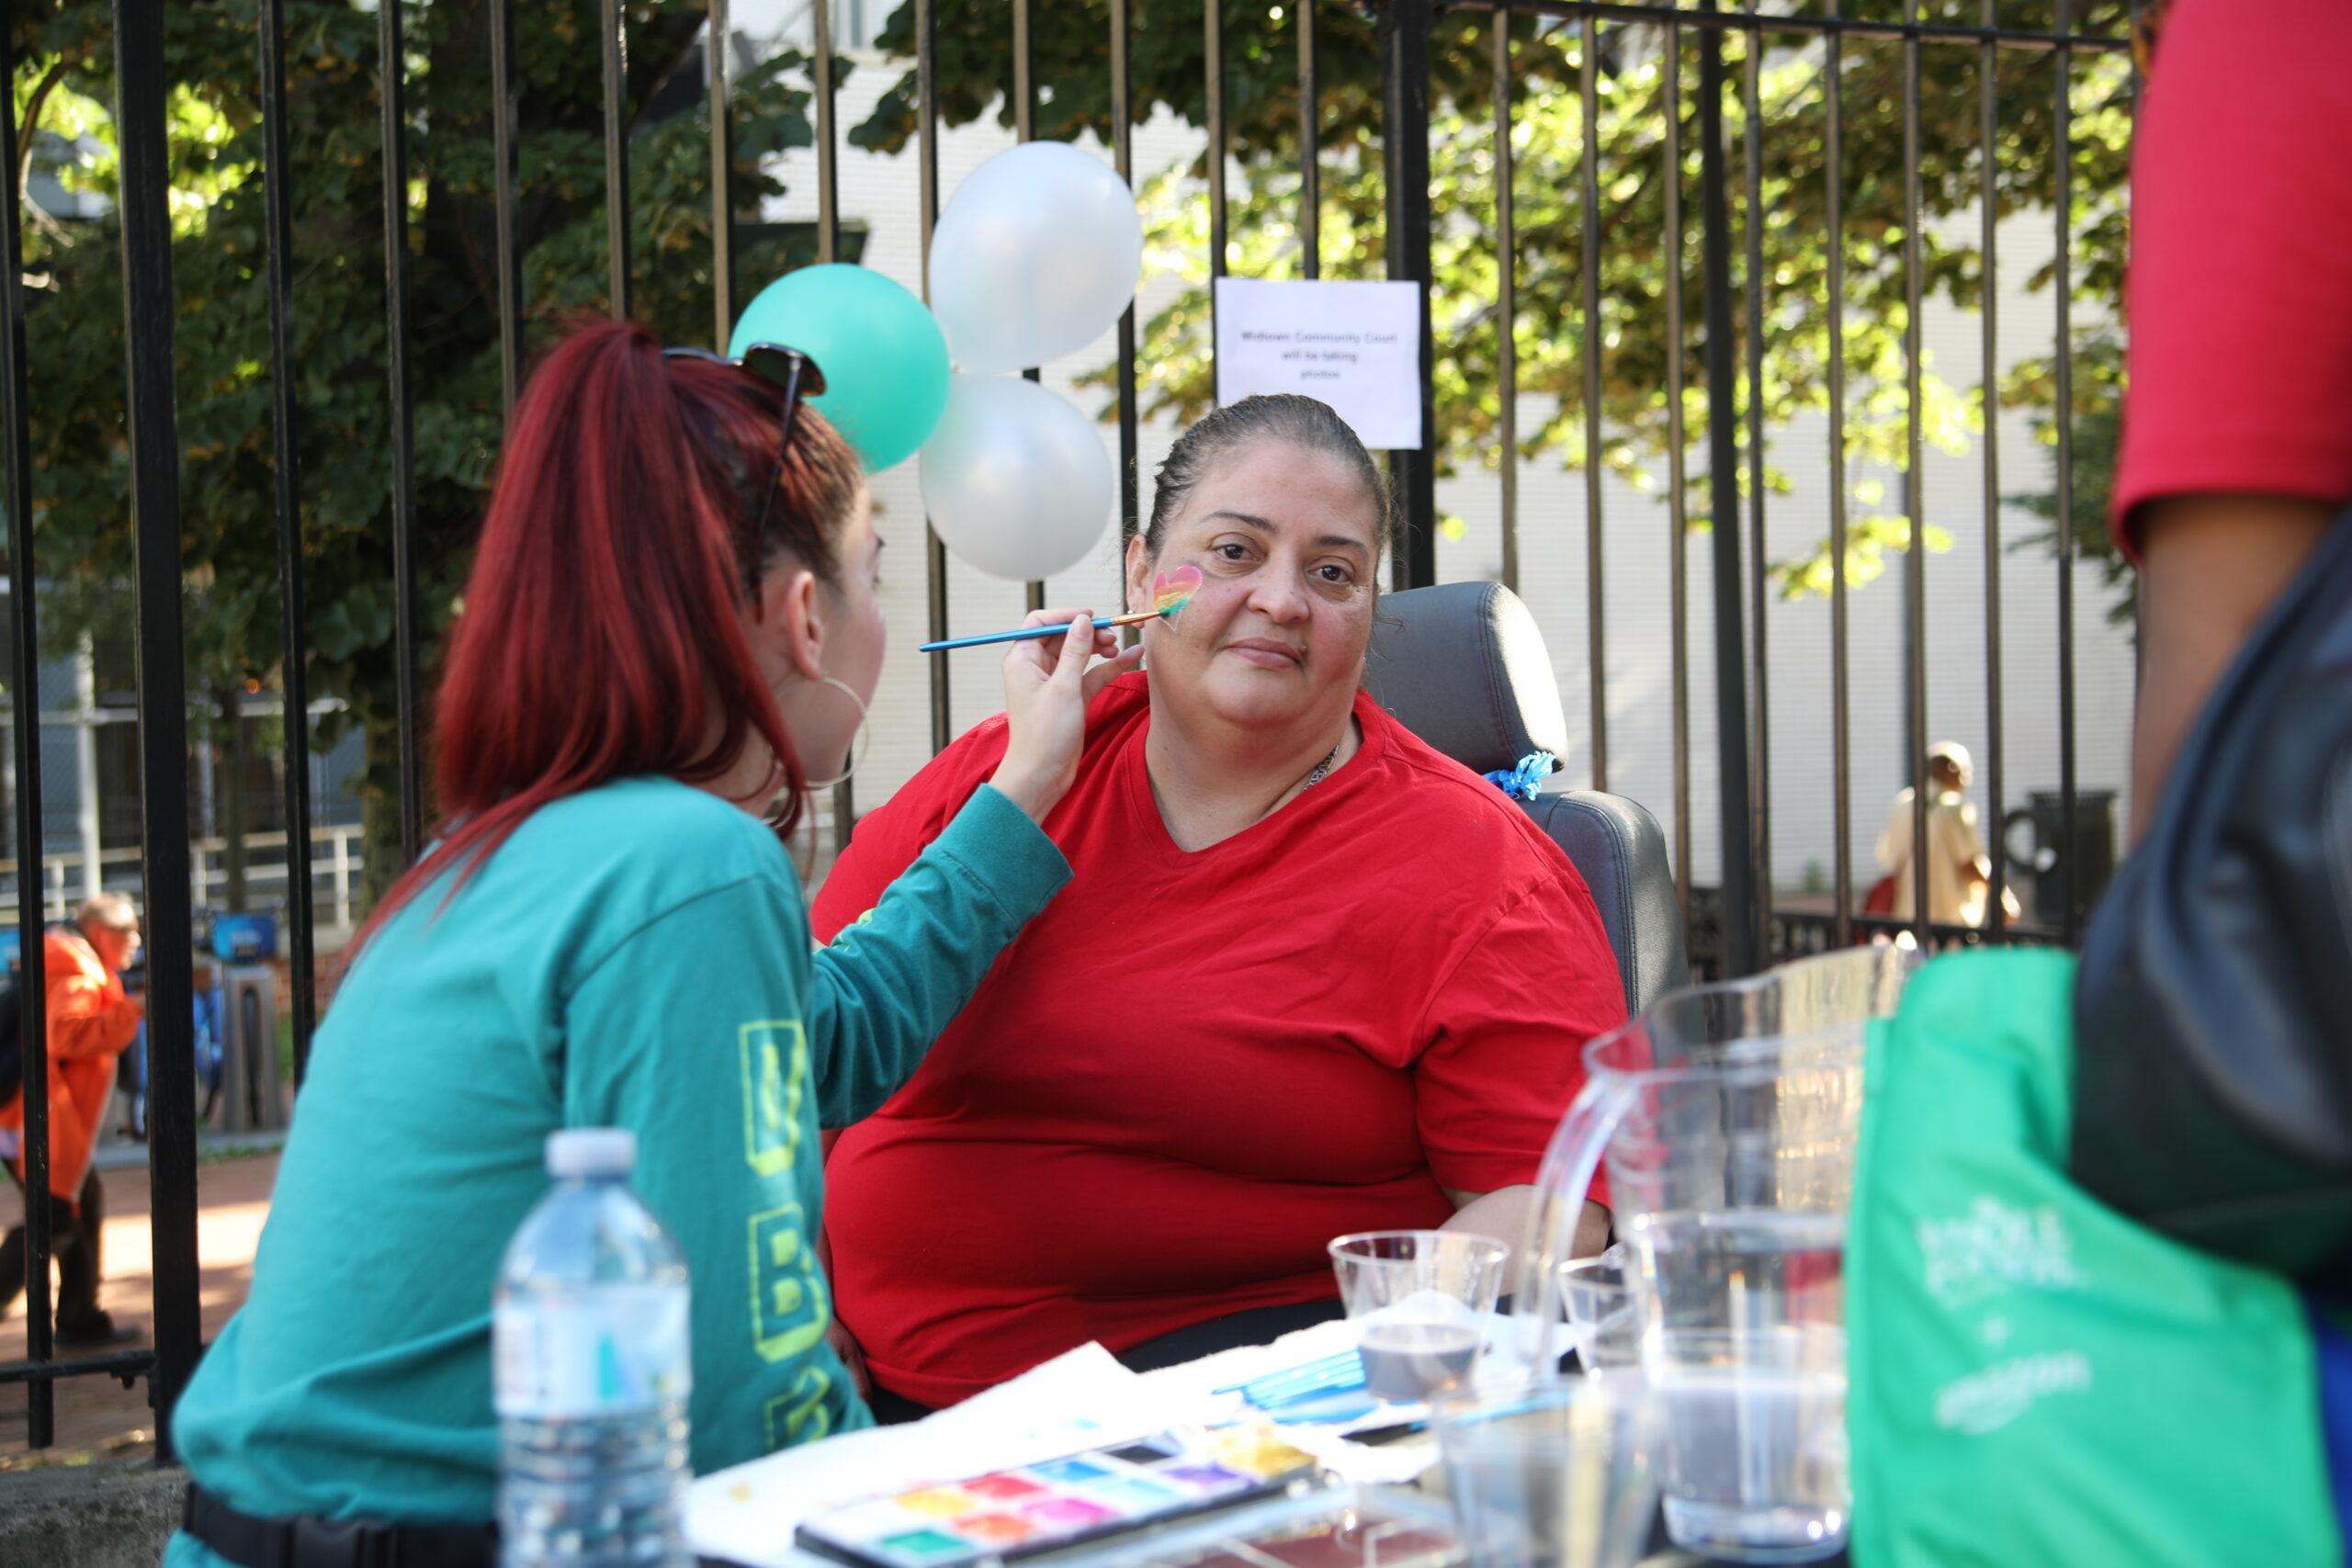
1521, 782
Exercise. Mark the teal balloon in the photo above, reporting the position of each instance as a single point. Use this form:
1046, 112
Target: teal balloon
884, 362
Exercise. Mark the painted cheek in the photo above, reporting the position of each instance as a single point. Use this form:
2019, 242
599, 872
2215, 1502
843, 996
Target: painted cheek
1172, 591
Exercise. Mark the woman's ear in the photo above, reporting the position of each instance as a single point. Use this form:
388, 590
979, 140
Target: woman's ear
789, 612
1139, 574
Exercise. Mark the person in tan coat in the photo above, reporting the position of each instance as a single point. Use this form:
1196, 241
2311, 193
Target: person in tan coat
91, 1021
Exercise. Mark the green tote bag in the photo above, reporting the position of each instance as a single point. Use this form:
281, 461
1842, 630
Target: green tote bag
2035, 1379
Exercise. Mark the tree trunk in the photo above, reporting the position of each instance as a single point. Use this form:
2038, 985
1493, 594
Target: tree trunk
381, 860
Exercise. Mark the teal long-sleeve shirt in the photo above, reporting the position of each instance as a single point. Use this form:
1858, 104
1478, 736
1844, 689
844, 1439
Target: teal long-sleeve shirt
636, 957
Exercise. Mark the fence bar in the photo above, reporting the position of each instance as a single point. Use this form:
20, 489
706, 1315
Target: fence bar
391, 89
935, 552
294, 677
1405, 136
1988, 299
1024, 66
1310, 148
1915, 500
1213, 87
504, 111
1751, 77
2132, 152
1130, 415
616, 256
1742, 940
1505, 307
829, 165
1833, 65
1712, 21
1677, 512
2063, 360
829, 240
125, 1364
24, 680
722, 180
154, 430
1024, 127
1595, 613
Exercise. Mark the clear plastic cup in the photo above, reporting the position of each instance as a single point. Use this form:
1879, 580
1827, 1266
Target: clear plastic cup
1420, 1301
1558, 1475
1744, 1349
1602, 1318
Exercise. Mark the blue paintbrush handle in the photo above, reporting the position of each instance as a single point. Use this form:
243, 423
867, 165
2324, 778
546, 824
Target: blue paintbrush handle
1022, 636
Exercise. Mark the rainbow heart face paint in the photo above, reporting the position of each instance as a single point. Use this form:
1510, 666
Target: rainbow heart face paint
1170, 590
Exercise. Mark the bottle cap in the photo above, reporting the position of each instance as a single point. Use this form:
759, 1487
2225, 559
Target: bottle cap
592, 1151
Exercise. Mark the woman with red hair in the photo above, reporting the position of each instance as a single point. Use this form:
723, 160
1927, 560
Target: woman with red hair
673, 604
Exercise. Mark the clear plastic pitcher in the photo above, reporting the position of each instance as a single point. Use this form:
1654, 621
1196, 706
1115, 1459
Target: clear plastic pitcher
1745, 1094
1728, 1115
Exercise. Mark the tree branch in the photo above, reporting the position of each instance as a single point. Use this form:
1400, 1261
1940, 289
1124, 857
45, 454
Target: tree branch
28, 130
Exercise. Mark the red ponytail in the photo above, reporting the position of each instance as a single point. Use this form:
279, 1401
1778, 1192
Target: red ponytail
600, 631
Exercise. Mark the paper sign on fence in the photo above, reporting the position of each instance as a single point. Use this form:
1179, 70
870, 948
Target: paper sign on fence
1354, 346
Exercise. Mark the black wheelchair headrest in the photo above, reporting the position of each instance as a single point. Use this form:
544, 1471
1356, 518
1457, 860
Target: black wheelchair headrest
1462, 666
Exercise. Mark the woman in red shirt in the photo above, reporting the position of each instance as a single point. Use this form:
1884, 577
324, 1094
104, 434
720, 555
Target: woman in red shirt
1310, 975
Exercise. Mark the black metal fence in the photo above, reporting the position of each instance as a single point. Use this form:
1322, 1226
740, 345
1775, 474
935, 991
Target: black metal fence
1735, 927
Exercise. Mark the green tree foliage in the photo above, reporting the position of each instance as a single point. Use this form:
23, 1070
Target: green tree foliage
64, 49
1635, 73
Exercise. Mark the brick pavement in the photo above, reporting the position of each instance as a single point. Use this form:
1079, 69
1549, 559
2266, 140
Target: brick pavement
97, 1417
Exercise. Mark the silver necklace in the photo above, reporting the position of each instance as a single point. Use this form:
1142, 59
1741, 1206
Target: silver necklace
1322, 769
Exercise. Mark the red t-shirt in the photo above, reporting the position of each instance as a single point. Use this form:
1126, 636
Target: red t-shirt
2240, 291
1192, 1070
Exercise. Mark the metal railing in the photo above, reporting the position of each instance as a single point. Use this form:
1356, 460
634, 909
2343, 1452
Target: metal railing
149, 308
62, 885
1743, 928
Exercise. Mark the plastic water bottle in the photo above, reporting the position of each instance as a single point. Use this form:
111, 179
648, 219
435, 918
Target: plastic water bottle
593, 1370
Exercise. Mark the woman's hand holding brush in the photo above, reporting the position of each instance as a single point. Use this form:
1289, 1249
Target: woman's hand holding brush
1047, 689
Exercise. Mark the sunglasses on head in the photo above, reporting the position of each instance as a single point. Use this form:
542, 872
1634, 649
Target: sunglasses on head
788, 368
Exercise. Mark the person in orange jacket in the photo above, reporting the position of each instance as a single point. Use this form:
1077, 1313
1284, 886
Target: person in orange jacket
91, 1021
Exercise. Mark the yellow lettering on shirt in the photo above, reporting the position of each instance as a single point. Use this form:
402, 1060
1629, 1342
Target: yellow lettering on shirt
776, 1064
861, 919
789, 1303
802, 1416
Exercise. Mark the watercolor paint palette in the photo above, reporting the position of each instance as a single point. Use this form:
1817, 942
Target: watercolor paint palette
1034, 1507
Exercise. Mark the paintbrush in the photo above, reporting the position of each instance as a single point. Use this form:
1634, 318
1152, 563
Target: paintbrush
1024, 634
1170, 594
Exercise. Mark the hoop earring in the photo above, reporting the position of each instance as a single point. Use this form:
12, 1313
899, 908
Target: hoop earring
859, 743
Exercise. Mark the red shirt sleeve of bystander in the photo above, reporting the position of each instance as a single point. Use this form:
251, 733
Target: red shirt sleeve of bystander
2239, 298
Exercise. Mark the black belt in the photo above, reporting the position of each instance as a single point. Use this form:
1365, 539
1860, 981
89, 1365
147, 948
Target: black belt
307, 1541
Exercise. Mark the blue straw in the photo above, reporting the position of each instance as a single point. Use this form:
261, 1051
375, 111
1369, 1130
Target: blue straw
1305, 1372
1322, 1375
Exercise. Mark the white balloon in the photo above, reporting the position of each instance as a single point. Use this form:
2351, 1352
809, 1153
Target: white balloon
1037, 254
1015, 479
